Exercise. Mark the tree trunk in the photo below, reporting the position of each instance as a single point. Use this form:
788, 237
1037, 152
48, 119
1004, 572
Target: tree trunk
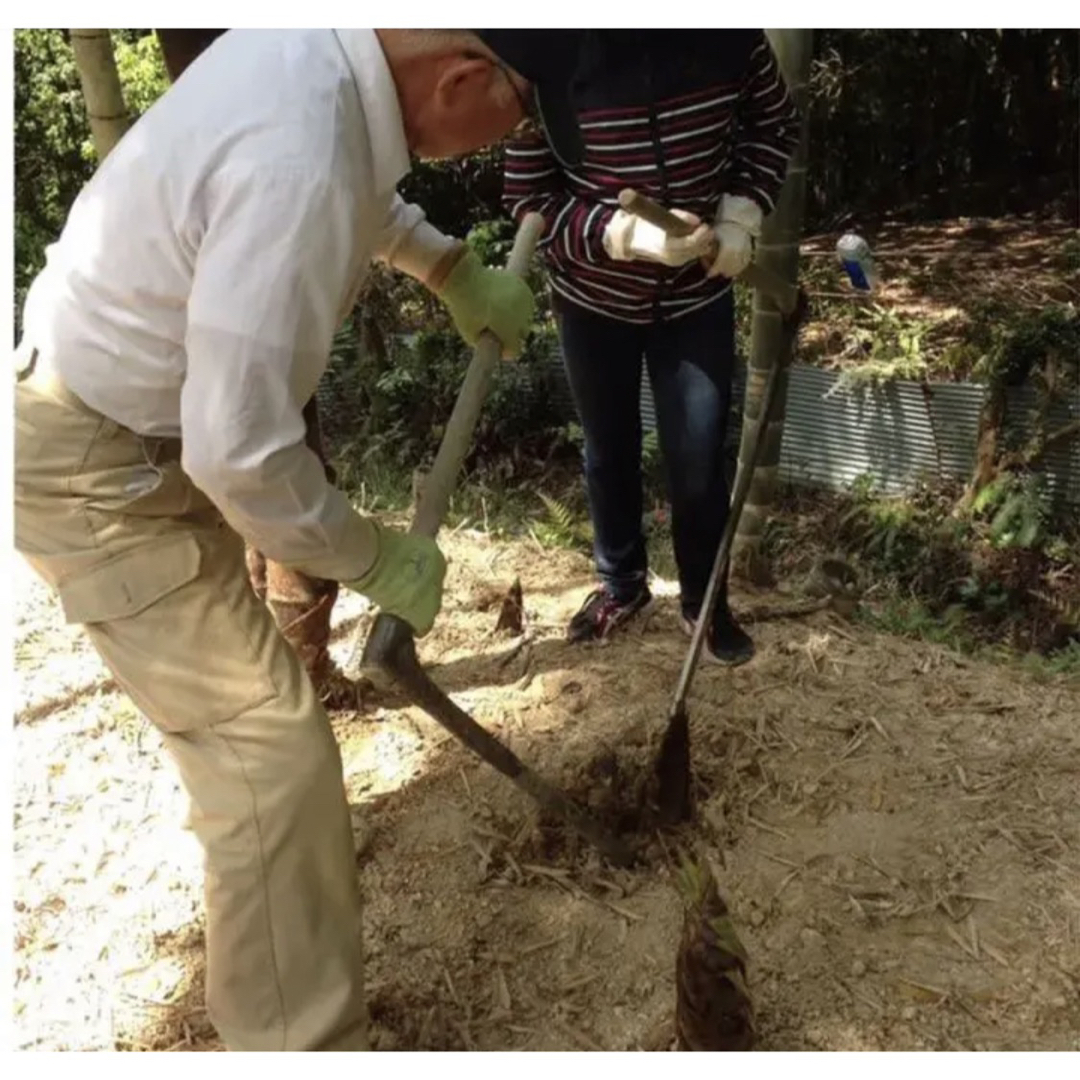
988, 443
778, 251
101, 88
302, 606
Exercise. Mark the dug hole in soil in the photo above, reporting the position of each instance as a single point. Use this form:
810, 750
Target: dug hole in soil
895, 829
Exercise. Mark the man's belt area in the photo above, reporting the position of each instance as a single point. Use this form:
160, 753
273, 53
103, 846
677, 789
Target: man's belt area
34, 370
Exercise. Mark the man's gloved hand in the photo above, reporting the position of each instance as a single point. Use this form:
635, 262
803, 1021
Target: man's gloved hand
406, 578
737, 226
482, 298
629, 237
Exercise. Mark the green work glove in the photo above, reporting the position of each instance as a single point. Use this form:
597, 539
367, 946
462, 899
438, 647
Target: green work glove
483, 298
406, 578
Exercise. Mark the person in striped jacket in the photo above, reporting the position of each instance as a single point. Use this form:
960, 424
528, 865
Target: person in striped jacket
702, 122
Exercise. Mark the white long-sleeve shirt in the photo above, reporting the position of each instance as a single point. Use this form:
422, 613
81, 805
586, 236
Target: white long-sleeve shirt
203, 271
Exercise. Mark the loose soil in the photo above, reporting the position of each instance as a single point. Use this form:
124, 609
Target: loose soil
895, 828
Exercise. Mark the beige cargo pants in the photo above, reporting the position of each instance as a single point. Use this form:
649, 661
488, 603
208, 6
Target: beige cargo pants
142, 558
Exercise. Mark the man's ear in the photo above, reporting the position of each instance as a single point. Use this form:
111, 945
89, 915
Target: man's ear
461, 77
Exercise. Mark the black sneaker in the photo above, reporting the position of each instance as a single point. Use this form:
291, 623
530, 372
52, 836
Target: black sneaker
602, 613
727, 642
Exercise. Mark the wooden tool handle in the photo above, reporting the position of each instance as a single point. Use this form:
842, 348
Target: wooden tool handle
634, 202
782, 293
439, 483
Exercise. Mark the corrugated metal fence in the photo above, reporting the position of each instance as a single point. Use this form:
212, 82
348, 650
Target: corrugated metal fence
897, 433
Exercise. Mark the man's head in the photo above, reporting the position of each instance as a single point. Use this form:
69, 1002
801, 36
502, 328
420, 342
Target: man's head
461, 90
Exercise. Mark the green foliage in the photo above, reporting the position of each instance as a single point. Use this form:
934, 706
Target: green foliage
54, 154
892, 345
396, 413
141, 68
955, 334
889, 530
1064, 661
419, 388
744, 315
911, 617
459, 194
1014, 511
562, 527
652, 462
1014, 346
1002, 568
492, 240
942, 579
50, 131
951, 627
398, 365
1017, 508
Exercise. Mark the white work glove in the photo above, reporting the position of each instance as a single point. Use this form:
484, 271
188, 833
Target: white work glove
629, 237
737, 226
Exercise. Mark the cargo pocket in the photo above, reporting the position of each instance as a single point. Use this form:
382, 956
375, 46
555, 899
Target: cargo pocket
177, 624
127, 583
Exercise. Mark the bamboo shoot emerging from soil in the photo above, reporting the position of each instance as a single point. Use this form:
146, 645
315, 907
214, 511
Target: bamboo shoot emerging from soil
713, 1009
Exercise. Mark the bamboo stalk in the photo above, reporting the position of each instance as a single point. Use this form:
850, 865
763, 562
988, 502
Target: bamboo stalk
104, 97
777, 253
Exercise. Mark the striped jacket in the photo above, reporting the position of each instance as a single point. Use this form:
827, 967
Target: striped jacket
684, 116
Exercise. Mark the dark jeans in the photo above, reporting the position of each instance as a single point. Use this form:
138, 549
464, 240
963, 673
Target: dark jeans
690, 361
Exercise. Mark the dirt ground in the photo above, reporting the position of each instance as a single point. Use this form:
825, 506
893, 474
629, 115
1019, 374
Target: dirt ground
895, 829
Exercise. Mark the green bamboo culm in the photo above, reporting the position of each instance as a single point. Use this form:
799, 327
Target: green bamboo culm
778, 251
104, 97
